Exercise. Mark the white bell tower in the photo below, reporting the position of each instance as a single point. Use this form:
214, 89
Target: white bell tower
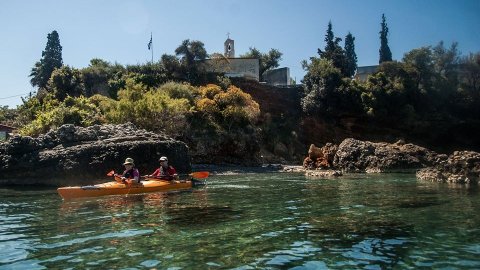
229, 47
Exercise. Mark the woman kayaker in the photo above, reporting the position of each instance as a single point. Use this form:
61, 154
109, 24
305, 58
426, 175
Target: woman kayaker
165, 171
130, 171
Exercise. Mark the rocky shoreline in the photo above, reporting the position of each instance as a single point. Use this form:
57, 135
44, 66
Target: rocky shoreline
461, 167
354, 156
73, 155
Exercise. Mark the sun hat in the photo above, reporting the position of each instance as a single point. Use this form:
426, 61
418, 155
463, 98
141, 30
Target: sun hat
163, 159
128, 161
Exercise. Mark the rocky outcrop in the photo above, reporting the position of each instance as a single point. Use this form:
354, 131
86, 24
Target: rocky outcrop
73, 155
364, 156
320, 158
460, 167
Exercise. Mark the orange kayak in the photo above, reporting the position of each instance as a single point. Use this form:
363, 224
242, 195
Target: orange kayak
118, 188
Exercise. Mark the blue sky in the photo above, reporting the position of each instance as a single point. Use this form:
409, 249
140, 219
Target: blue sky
118, 31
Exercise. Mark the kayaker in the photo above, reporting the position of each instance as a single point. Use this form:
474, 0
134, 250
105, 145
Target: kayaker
130, 171
165, 171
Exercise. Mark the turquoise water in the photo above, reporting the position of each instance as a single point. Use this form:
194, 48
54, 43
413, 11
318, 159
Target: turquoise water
250, 221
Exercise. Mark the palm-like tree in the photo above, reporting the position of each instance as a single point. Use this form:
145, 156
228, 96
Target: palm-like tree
190, 53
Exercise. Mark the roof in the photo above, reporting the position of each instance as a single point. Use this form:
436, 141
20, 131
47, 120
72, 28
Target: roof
367, 69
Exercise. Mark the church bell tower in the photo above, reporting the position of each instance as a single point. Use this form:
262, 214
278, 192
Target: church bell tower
229, 47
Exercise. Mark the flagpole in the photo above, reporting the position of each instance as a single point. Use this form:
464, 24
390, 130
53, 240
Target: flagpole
152, 45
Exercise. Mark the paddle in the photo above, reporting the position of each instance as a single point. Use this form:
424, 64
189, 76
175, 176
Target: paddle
200, 175
127, 182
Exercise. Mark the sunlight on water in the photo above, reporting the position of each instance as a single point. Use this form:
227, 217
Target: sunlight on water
250, 221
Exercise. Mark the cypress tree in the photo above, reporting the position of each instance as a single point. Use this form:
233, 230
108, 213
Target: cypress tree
51, 59
351, 56
385, 53
333, 51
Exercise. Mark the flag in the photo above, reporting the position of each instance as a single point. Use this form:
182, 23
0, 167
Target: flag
150, 43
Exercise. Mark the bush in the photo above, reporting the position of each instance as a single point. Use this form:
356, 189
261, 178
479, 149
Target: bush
78, 111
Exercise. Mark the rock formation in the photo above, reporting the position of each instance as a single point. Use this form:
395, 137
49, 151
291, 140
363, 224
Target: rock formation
73, 155
460, 167
364, 156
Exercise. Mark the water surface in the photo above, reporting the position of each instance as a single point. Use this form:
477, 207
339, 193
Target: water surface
249, 221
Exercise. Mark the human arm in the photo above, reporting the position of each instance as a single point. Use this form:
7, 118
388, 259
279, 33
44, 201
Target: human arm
156, 173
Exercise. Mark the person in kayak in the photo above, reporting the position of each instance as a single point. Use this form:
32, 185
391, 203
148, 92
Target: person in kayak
130, 171
165, 171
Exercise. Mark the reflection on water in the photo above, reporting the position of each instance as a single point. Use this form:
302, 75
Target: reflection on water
251, 221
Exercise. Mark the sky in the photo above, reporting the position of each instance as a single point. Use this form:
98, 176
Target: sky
119, 31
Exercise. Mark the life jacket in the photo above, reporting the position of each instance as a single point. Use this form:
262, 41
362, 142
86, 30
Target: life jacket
129, 174
164, 174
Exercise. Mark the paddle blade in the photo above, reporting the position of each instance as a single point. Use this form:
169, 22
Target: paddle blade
111, 173
200, 175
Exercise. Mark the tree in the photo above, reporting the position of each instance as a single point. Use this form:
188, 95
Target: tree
385, 53
320, 84
66, 81
267, 61
470, 78
100, 77
190, 52
419, 63
51, 59
350, 55
333, 51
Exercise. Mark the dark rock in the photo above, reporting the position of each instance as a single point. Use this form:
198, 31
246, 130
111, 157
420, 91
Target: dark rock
73, 155
461, 167
364, 156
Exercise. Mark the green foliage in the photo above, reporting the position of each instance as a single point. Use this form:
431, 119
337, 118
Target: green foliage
179, 91
350, 55
190, 53
467, 98
320, 84
267, 61
51, 59
333, 52
151, 74
101, 77
79, 111
386, 97
224, 82
8, 116
385, 53
152, 109
173, 68
66, 81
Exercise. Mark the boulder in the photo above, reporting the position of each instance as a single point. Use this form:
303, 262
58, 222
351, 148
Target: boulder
320, 158
73, 155
364, 156
461, 167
